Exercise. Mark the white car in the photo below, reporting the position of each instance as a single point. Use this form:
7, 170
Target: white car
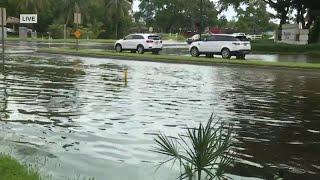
139, 43
226, 45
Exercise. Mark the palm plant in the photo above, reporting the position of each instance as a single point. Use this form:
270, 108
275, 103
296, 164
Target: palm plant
117, 10
205, 150
74, 6
27, 5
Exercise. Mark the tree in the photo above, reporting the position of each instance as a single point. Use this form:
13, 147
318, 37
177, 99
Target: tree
253, 18
32, 6
282, 7
117, 10
171, 15
69, 7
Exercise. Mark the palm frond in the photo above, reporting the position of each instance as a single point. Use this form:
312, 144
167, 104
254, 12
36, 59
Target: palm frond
203, 149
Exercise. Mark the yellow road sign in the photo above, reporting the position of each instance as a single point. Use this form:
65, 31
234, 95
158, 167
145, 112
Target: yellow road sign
77, 34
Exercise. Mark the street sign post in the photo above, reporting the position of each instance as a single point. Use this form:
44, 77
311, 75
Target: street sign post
77, 33
77, 18
3, 22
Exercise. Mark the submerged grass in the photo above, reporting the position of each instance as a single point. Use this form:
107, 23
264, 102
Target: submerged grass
180, 59
11, 169
261, 46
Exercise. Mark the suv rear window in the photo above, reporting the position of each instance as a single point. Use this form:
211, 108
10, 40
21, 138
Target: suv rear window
154, 37
242, 38
137, 37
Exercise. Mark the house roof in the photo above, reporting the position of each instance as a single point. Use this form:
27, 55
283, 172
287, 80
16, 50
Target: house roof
13, 20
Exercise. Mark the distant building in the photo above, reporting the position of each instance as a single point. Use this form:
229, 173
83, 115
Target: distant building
292, 34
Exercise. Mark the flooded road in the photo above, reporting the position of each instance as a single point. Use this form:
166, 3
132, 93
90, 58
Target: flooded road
169, 49
77, 118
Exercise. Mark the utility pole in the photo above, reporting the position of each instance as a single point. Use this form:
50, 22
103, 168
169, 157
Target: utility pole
77, 27
3, 23
201, 18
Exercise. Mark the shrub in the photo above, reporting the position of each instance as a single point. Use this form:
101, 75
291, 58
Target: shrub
205, 150
314, 35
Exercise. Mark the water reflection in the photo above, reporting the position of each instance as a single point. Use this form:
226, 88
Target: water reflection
81, 113
273, 121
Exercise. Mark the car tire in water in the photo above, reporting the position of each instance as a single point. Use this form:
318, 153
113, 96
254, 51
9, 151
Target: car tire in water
242, 56
194, 52
140, 49
209, 55
225, 53
118, 48
155, 52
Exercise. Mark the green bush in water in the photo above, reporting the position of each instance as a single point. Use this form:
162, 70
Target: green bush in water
204, 151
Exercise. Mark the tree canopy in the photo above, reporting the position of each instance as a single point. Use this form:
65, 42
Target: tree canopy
114, 18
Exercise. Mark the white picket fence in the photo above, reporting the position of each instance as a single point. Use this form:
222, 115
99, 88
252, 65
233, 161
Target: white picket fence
254, 36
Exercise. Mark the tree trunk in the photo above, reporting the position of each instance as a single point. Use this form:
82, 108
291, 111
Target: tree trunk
283, 20
117, 24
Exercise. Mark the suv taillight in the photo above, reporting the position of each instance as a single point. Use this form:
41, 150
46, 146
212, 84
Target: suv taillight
149, 41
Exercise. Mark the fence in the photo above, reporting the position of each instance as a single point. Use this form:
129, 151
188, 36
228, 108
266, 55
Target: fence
254, 37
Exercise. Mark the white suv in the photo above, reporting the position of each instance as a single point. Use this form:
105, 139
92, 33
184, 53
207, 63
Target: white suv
139, 42
221, 44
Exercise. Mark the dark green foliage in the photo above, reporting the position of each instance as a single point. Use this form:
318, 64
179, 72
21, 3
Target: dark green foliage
53, 14
269, 46
314, 35
204, 151
56, 31
178, 14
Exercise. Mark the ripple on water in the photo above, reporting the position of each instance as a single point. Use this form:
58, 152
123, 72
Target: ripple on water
81, 111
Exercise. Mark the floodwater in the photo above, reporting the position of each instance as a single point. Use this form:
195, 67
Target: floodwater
76, 118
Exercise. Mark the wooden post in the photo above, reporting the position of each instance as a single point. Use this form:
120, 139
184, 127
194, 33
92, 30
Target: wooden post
126, 75
77, 38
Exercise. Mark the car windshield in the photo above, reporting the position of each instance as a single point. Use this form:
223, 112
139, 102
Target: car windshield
154, 37
242, 38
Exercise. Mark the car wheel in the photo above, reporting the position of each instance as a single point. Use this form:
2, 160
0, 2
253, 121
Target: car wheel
140, 49
118, 48
226, 54
194, 52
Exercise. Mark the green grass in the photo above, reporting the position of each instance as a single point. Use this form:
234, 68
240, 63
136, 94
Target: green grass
11, 169
268, 46
181, 59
